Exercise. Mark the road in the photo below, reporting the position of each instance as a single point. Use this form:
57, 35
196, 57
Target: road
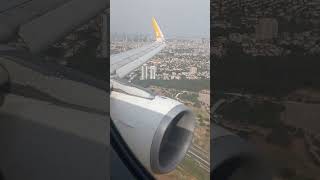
200, 156
177, 96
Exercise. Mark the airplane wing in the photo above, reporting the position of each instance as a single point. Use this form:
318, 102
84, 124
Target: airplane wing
157, 130
39, 23
123, 63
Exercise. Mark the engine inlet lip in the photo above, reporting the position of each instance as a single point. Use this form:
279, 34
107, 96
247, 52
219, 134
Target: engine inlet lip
159, 135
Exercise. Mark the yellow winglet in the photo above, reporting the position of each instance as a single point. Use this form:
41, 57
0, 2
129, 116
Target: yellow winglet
157, 30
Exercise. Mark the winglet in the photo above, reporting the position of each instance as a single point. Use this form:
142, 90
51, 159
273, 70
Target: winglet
157, 30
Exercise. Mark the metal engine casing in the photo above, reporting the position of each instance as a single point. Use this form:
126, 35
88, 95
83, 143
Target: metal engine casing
157, 129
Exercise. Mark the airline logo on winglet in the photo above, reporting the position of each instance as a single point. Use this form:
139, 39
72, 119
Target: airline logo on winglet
157, 30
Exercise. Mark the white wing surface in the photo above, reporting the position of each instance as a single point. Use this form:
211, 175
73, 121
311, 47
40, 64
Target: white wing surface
123, 63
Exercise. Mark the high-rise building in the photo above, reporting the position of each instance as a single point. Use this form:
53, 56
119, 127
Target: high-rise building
267, 29
193, 70
153, 71
144, 72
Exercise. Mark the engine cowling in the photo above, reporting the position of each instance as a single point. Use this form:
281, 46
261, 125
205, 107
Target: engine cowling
233, 158
158, 130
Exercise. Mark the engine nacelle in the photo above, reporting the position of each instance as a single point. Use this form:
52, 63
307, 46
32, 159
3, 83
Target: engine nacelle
158, 130
233, 158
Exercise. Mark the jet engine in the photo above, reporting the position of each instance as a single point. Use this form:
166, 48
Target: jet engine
158, 130
233, 158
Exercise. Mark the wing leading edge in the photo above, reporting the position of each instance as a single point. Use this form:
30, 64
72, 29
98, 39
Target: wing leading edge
123, 63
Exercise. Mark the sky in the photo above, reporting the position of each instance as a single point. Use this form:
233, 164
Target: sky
176, 18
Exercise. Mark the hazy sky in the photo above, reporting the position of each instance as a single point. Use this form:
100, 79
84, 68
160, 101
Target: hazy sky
183, 18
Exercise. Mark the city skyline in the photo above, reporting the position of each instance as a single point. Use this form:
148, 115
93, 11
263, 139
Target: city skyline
130, 19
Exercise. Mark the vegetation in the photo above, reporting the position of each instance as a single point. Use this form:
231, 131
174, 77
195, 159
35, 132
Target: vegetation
274, 76
279, 136
193, 97
191, 166
202, 124
184, 84
265, 114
